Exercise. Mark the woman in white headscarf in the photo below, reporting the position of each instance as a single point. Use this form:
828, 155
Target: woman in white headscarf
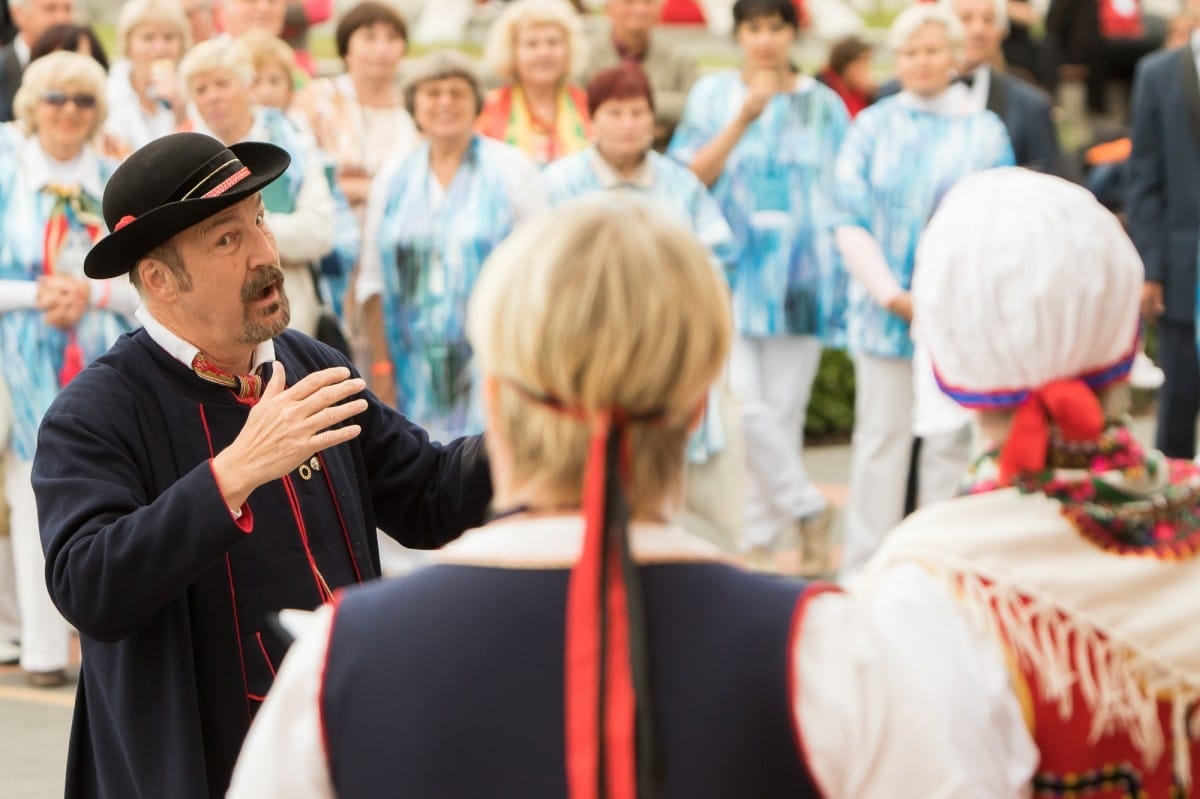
1076, 549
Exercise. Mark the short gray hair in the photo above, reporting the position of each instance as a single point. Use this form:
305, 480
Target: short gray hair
499, 52
439, 65
913, 18
221, 53
58, 70
141, 12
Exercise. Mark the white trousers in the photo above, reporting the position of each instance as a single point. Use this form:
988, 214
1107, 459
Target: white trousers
772, 378
45, 636
881, 453
10, 616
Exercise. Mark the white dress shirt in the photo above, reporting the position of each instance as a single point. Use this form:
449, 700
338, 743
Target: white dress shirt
185, 352
978, 91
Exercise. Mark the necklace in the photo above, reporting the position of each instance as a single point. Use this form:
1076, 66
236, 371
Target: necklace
1117, 495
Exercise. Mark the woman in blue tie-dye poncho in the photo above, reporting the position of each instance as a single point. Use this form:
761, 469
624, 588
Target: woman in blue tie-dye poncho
432, 219
53, 320
898, 160
764, 138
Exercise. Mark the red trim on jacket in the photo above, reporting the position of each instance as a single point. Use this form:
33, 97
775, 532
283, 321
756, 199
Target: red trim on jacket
337, 606
323, 590
237, 626
812, 591
337, 507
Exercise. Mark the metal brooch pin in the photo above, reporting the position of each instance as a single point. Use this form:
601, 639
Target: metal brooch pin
306, 469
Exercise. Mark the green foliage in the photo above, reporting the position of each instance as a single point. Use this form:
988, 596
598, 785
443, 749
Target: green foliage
831, 409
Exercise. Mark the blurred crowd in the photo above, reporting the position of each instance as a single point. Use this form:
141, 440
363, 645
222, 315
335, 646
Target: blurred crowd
809, 185
584, 223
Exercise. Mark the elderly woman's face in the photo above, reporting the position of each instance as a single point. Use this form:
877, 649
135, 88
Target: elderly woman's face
624, 128
153, 41
374, 51
925, 63
540, 54
65, 117
444, 108
223, 100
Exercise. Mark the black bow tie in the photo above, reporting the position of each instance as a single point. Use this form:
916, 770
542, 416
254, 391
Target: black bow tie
967, 80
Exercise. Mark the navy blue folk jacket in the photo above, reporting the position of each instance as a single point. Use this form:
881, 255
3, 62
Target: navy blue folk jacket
171, 595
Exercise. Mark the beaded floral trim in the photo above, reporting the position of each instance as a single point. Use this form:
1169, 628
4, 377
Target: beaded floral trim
1117, 495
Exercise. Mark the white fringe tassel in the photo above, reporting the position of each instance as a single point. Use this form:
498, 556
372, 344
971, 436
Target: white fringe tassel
1120, 688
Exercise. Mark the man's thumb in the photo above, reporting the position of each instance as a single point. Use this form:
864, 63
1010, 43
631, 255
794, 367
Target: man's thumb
278, 380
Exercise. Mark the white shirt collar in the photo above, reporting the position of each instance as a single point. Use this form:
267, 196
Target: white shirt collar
185, 352
978, 92
42, 170
642, 178
22, 51
955, 100
556, 541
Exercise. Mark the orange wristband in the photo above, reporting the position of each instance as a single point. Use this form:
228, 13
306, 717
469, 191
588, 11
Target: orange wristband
382, 368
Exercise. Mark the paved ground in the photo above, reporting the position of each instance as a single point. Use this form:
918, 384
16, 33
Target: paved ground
34, 723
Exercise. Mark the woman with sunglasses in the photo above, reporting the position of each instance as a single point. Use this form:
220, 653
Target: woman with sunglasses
53, 320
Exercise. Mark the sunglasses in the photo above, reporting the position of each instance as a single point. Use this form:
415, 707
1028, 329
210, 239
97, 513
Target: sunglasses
83, 102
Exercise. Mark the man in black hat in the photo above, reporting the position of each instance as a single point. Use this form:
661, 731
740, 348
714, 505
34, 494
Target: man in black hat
210, 469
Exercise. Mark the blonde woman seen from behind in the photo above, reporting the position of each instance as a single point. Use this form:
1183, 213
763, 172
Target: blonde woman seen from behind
594, 374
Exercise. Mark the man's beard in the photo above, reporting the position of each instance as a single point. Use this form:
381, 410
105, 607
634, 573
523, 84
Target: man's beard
261, 324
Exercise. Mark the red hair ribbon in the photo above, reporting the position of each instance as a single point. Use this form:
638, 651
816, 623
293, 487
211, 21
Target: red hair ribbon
610, 739
1073, 408
608, 724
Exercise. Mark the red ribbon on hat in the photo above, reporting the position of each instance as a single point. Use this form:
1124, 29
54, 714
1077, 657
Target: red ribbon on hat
1073, 408
123, 221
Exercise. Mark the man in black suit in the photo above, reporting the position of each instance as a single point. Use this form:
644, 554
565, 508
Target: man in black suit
7, 29
1026, 110
31, 18
1163, 216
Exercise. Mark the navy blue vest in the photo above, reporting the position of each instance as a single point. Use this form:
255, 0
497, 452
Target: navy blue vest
450, 683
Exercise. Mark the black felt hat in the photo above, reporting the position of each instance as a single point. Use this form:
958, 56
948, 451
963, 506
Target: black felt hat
171, 184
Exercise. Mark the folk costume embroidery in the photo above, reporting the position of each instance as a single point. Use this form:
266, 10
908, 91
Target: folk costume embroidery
1122, 498
1111, 696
